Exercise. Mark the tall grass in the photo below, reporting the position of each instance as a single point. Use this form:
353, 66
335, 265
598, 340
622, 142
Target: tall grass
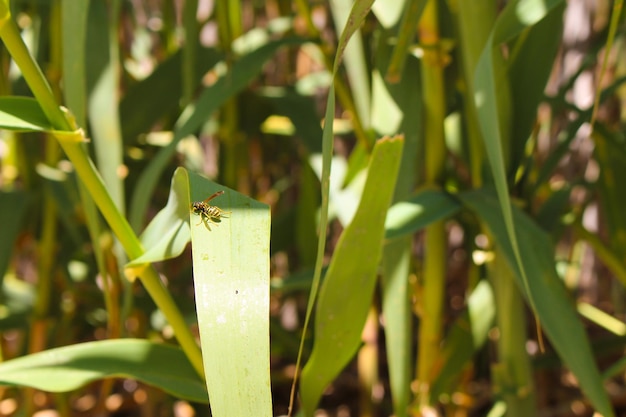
430, 217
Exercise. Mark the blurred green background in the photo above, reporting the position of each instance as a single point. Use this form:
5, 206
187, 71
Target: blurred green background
447, 235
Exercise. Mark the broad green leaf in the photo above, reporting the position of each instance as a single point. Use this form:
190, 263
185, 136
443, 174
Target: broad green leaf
71, 367
22, 114
553, 306
519, 15
74, 23
413, 214
231, 278
347, 291
550, 213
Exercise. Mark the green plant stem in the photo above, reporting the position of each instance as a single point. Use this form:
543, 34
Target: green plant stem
406, 33
512, 373
47, 254
148, 276
71, 140
431, 319
434, 272
10, 34
229, 22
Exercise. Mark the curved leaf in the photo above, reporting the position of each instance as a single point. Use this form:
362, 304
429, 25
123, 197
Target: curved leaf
71, 367
168, 233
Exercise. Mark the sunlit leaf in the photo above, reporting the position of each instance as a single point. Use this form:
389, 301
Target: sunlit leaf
346, 293
71, 367
231, 278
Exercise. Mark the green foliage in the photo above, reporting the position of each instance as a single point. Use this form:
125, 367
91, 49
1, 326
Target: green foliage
71, 367
346, 295
432, 195
550, 298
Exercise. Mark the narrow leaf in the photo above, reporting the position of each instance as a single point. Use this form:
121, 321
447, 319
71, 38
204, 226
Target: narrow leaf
553, 305
71, 367
346, 293
396, 266
22, 114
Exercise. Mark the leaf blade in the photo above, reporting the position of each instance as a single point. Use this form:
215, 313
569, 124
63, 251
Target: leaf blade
343, 302
231, 280
71, 367
553, 306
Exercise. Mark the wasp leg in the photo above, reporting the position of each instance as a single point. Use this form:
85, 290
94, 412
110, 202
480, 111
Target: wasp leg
206, 222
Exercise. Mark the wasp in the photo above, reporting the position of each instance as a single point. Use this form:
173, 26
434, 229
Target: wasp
208, 213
